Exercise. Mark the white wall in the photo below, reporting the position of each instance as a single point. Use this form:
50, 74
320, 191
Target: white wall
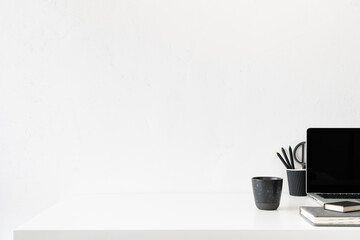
195, 96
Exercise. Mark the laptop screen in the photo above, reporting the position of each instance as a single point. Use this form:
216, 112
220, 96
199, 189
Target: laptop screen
333, 160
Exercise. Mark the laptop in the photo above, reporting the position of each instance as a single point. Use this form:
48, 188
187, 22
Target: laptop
333, 164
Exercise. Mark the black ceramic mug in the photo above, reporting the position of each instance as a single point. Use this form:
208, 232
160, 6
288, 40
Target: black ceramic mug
267, 192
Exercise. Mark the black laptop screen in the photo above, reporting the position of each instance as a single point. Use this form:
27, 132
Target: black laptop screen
333, 160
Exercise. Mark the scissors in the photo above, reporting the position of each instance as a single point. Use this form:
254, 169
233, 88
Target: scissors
302, 160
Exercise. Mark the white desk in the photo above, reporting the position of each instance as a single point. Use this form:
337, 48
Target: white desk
189, 216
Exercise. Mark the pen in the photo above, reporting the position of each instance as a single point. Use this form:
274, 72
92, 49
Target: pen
283, 161
291, 157
286, 158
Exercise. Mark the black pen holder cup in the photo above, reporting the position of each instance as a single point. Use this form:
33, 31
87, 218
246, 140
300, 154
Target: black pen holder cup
296, 181
267, 192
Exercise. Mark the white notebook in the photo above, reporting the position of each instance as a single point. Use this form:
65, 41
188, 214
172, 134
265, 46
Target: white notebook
321, 217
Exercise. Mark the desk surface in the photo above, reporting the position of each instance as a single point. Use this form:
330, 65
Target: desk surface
173, 216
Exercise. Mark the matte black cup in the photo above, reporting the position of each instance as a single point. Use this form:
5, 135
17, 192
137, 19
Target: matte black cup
267, 192
296, 181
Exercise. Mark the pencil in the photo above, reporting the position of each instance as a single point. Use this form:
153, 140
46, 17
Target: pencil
291, 157
282, 160
286, 158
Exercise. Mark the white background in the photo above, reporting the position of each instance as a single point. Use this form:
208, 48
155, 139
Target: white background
164, 96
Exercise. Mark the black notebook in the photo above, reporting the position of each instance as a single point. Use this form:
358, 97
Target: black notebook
343, 206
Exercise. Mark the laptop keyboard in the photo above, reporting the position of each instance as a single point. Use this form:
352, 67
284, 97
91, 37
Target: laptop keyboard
341, 195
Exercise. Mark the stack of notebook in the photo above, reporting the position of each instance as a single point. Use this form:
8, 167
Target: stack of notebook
343, 213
